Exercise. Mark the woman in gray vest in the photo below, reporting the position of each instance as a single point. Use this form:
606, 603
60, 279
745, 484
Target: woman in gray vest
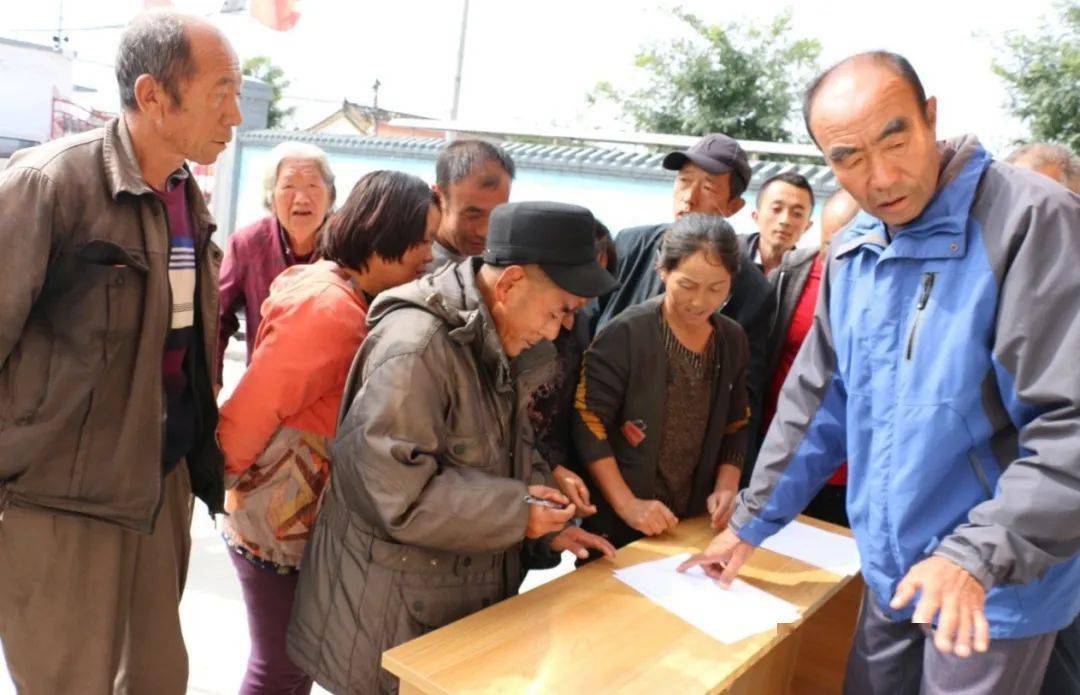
661, 407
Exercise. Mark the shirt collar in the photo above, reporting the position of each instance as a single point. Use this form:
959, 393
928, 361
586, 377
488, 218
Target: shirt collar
175, 180
286, 248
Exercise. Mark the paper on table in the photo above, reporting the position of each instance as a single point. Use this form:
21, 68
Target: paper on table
829, 551
726, 615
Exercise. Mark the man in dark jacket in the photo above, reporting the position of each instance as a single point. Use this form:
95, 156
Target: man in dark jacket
472, 178
712, 176
783, 213
108, 325
434, 462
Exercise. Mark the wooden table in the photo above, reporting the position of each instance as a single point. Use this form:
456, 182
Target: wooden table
587, 632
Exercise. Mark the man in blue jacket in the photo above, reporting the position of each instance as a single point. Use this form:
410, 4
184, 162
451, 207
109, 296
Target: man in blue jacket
942, 366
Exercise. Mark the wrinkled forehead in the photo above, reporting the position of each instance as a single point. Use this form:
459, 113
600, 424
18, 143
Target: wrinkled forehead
690, 170
859, 101
486, 176
298, 168
211, 52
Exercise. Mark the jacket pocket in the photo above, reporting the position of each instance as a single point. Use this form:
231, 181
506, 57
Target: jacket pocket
433, 601
123, 272
25, 378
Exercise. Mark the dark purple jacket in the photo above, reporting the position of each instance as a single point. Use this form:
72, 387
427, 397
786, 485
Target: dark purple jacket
254, 256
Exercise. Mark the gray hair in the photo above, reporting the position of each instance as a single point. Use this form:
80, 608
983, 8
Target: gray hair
295, 150
1040, 154
156, 44
460, 158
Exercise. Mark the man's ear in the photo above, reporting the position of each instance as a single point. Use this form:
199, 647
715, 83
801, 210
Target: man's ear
753, 216
440, 195
510, 277
931, 114
734, 205
150, 97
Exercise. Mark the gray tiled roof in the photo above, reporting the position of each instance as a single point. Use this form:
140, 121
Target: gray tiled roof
591, 160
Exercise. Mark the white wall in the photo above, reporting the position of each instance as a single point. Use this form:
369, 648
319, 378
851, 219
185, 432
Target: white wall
28, 76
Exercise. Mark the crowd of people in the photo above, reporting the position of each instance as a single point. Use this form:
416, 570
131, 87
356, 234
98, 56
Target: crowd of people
445, 389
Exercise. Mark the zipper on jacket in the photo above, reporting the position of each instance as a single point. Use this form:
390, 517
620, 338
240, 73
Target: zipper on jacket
779, 298
162, 212
980, 473
924, 298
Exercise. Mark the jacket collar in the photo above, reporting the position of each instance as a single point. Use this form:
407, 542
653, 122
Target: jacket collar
455, 298
796, 258
123, 174
121, 166
939, 230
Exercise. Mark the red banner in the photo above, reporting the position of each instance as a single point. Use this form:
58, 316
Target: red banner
279, 15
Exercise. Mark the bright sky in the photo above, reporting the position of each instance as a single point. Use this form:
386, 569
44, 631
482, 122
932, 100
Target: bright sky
530, 63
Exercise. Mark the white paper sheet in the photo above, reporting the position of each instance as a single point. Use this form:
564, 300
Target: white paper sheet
829, 551
726, 615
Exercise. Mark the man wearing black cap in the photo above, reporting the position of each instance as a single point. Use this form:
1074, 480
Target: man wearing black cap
436, 481
712, 176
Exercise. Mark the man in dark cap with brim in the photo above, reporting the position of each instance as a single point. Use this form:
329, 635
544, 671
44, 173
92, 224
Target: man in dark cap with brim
712, 176
436, 482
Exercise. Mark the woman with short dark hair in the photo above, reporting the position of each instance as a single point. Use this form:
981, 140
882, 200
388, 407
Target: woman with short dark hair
276, 427
661, 406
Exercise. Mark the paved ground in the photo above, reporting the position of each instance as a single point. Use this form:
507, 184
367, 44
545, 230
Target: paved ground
212, 611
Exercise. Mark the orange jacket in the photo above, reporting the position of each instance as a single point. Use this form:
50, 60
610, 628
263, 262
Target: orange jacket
312, 325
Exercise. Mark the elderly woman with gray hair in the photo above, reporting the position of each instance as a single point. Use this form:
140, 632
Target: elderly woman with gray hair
299, 193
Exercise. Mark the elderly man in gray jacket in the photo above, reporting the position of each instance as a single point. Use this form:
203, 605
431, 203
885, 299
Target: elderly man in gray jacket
436, 481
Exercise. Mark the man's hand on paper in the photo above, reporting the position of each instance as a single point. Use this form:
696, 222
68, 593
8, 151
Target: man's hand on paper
723, 559
575, 488
651, 517
721, 502
544, 520
955, 596
578, 541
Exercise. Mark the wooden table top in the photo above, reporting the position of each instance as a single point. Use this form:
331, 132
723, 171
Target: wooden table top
587, 632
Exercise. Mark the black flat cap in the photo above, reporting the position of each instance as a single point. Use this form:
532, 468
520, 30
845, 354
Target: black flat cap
558, 237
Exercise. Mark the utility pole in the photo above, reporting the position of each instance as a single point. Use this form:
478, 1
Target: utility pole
59, 41
460, 60
375, 105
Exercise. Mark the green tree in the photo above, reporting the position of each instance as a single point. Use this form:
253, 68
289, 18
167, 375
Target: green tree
744, 81
1042, 76
261, 68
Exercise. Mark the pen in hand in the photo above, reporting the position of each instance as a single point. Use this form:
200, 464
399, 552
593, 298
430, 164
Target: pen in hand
532, 499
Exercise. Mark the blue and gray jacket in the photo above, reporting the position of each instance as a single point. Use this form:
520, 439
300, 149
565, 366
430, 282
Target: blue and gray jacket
943, 366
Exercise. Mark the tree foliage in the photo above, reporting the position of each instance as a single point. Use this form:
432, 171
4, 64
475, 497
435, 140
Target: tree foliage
261, 68
744, 81
1042, 76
